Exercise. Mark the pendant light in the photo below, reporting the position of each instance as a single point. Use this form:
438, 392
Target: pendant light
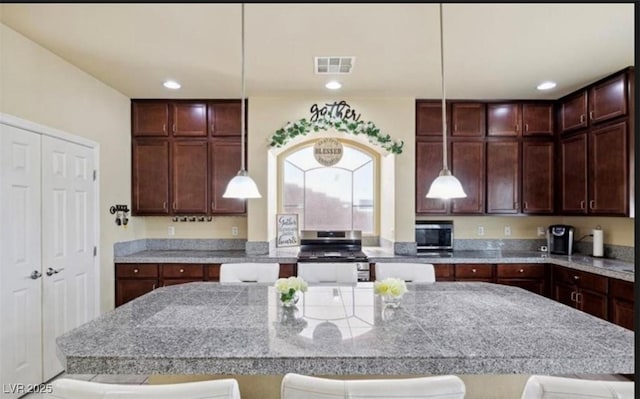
242, 186
445, 186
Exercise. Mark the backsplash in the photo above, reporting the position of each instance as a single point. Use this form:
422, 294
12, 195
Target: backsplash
157, 244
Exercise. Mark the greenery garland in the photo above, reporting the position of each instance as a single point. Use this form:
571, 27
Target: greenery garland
302, 127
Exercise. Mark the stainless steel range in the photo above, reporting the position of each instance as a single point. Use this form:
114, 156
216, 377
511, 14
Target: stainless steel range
336, 248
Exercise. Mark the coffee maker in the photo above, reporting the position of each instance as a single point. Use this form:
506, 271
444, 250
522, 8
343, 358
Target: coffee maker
560, 239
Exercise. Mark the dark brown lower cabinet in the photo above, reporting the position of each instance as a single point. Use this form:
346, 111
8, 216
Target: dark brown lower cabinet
134, 280
474, 272
582, 290
443, 272
529, 277
621, 303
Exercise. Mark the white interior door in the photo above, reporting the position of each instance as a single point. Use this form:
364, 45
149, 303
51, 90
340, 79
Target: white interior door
68, 231
20, 260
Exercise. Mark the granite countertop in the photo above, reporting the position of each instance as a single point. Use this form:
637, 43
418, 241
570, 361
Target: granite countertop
440, 328
606, 267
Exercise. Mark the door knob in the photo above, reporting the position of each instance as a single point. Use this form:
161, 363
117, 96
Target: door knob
35, 275
51, 271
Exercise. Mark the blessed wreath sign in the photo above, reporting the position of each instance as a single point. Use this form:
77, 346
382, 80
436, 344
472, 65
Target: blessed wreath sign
341, 117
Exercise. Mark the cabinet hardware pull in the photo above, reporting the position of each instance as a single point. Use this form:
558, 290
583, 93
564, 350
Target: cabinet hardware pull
136, 270
154, 287
35, 275
455, 127
517, 127
592, 204
573, 294
213, 205
576, 277
582, 204
181, 270
473, 270
582, 118
526, 127
591, 115
164, 205
521, 271
174, 127
578, 296
526, 205
174, 205
164, 128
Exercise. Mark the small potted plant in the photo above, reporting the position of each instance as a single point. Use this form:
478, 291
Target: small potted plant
390, 290
289, 289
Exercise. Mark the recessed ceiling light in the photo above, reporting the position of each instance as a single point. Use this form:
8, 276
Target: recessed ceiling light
333, 85
171, 84
546, 85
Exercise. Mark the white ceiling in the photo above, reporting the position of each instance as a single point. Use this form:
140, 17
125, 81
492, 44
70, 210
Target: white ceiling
492, 51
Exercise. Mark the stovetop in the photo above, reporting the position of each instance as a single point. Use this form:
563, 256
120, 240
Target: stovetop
327, 256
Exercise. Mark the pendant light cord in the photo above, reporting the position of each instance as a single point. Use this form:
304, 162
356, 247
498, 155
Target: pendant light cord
444, 115
242, 106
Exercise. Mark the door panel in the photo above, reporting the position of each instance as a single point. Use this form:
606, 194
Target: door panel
20, 255
608, 174
69, 294
150, 177
428, 166
503, 119
190, 177
225, 163
537, 177
468, 165
503, 176
573, 174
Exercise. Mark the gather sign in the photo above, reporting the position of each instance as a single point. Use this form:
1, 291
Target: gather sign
327, 151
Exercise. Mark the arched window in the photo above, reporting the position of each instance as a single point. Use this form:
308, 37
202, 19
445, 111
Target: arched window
339, 197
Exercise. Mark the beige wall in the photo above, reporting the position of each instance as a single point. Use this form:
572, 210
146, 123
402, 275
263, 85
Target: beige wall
41, 87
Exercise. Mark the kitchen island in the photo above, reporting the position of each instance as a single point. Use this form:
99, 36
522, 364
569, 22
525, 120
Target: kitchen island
440, 328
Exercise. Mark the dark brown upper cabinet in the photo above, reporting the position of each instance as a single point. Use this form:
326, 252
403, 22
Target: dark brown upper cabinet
468, 165
428, 166
190, 177
503, 177
189, 119
573, 174
467, 119
225, 164
150, 177
520, 119
573, 112
224, 118
429, 118
608, 168
150, 118
537, 177
608, 99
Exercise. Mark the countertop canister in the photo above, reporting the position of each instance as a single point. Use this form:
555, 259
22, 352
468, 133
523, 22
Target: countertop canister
598, 242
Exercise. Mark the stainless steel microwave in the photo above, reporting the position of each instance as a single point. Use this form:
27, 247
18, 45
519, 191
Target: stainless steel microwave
434, 235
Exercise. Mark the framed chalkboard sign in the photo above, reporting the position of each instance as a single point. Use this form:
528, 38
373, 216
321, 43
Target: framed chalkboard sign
287, 230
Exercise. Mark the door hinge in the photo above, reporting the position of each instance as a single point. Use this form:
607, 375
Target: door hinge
95, 251
95, 175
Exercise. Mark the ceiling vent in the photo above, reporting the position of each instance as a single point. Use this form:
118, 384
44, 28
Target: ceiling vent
334, 65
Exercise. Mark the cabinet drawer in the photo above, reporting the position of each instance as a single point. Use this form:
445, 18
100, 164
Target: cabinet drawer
520, 270
621, 289
178, 270
443, 272
580, 279
213, 272
474, 271
136, 270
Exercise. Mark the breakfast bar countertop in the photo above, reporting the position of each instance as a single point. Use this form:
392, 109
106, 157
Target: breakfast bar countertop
440, 328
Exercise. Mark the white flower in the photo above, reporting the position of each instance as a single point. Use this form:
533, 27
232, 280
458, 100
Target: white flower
284, 285
390, 286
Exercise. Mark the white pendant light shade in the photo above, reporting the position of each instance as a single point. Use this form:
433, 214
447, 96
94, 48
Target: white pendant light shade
446, 186
241, 186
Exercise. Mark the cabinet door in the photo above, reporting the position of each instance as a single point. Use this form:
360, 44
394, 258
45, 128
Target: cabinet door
176, 281
190, 177
468, 165
503, 176
467, 120
537, 119
532, 285
573, 174
290, 270
225, 163
608, 170
224, 118
608, 100
621, 313
429, 118
189, 119
129, 289
212, 272
443, 272
475, 272
592, 302
573, 112
537, 177
149, 118
182, 271
564, 293
428, 166
150, 177
503, 119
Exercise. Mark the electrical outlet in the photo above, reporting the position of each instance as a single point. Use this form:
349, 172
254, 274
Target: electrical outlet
541, 231
480, 230
171, 231
234, 231
507, 231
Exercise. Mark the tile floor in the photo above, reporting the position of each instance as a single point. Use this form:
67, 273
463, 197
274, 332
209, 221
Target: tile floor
142, 379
